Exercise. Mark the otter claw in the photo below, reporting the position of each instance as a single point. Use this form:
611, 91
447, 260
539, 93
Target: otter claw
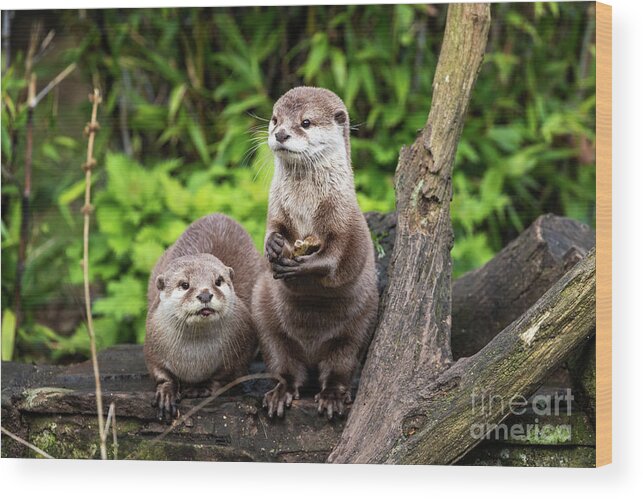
277, 399
332, 401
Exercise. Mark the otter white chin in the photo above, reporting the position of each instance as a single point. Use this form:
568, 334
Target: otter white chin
316, 310
199, 330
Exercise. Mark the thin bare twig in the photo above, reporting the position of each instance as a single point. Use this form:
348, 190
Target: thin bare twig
114, 436
26, 188
198, 407
7, 15
111, 419
32, 101
91, 129
50, 86
25, 443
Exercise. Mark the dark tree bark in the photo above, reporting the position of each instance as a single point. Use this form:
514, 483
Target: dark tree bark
413, 405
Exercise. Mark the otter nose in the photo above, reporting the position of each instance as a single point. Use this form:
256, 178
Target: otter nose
282, 136
204, 296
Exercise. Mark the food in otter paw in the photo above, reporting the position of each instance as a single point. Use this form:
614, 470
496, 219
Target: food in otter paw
306, 247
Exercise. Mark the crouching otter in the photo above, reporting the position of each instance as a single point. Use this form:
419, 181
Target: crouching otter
199, 330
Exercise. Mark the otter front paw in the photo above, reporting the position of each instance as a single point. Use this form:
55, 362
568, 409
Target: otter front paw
286, 268
332, 401
274, 246
167, 400
280, 397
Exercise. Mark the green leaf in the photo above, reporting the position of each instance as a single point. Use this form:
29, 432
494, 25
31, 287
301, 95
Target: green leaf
352, 87
8, 334
508, 138
177, 198
244, 105
175, 101
198, 139
369, 83
146, 254
125, 298
338, 67
317, 56
7, 146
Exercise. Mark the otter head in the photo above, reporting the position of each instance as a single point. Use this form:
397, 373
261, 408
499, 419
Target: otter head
196, 290
309, 124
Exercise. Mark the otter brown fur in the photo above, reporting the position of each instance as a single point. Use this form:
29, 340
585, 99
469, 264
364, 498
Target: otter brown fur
315, 310
199, 331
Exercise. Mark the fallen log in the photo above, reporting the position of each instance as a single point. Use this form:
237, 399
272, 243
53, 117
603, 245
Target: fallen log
54, 408
488, 299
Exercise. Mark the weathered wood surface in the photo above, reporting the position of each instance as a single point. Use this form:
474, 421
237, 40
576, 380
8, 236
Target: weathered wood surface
54, 407
490, 298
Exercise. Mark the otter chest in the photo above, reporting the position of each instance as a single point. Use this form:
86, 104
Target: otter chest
300, 201
194, 359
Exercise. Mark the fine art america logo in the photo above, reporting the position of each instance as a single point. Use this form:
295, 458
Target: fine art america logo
527, 426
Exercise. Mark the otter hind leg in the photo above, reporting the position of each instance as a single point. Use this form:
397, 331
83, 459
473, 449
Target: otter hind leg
285, 358
339, 360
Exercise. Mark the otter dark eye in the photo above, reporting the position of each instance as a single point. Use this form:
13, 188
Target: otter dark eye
219, 281
305, 123
274, 120
184, 285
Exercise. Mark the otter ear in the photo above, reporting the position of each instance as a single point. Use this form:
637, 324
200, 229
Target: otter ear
160, 283
340, 117
231, 273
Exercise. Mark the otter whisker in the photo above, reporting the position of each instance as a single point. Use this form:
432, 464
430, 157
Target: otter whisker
246, 157
265, 162
257, 117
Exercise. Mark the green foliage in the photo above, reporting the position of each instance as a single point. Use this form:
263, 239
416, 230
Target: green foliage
8, 334
187, 93
140, 211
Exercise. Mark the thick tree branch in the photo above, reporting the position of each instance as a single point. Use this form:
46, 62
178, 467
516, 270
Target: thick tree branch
412, 341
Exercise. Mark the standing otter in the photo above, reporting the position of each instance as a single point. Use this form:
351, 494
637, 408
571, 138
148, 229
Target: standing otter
199, 331
316, 310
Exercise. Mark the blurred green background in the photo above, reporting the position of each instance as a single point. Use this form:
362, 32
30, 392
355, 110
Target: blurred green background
186, 93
